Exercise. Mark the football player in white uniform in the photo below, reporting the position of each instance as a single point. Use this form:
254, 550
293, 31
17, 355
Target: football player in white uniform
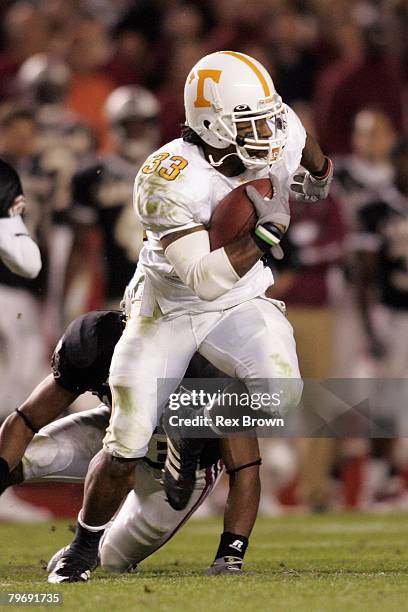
194, 299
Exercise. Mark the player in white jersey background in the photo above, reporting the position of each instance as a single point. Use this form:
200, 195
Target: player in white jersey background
23, 347
20, 258
194, 299
20, 266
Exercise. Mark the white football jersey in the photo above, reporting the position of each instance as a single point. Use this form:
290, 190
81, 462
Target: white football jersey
178, 189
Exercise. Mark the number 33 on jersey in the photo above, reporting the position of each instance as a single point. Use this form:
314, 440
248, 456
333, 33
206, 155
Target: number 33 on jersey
163, 187
170, 173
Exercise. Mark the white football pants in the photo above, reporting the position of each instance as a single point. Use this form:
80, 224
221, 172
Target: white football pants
252, 341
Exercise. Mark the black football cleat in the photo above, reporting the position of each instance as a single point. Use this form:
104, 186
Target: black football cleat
179, 474
55, 558
71, 566
183, 458
225, 565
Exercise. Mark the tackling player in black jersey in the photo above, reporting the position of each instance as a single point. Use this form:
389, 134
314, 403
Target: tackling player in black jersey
62, 451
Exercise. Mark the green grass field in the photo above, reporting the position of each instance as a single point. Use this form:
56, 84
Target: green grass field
309, 563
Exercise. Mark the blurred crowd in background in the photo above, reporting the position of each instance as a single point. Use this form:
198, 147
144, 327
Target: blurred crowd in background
88, 88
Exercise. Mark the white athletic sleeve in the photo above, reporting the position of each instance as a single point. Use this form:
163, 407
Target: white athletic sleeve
208, 273
17, 249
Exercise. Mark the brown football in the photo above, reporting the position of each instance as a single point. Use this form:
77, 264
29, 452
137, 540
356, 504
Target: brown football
235, 215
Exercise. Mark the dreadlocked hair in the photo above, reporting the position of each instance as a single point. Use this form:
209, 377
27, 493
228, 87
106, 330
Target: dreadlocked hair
190, 136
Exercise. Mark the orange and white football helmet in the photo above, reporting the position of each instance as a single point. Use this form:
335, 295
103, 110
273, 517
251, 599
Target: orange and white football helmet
226, 88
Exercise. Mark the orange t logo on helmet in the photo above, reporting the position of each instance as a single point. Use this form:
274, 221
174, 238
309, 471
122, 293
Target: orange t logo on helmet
214, 75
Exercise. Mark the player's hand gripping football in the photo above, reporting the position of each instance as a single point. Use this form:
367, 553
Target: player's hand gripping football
311, 188
273, 219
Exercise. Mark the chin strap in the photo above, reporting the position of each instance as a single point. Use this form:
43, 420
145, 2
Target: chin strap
221, 161
216, 164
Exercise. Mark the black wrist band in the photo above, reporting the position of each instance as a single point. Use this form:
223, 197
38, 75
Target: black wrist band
260, 243
243, 467
274, 230
321, 173
27, 421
